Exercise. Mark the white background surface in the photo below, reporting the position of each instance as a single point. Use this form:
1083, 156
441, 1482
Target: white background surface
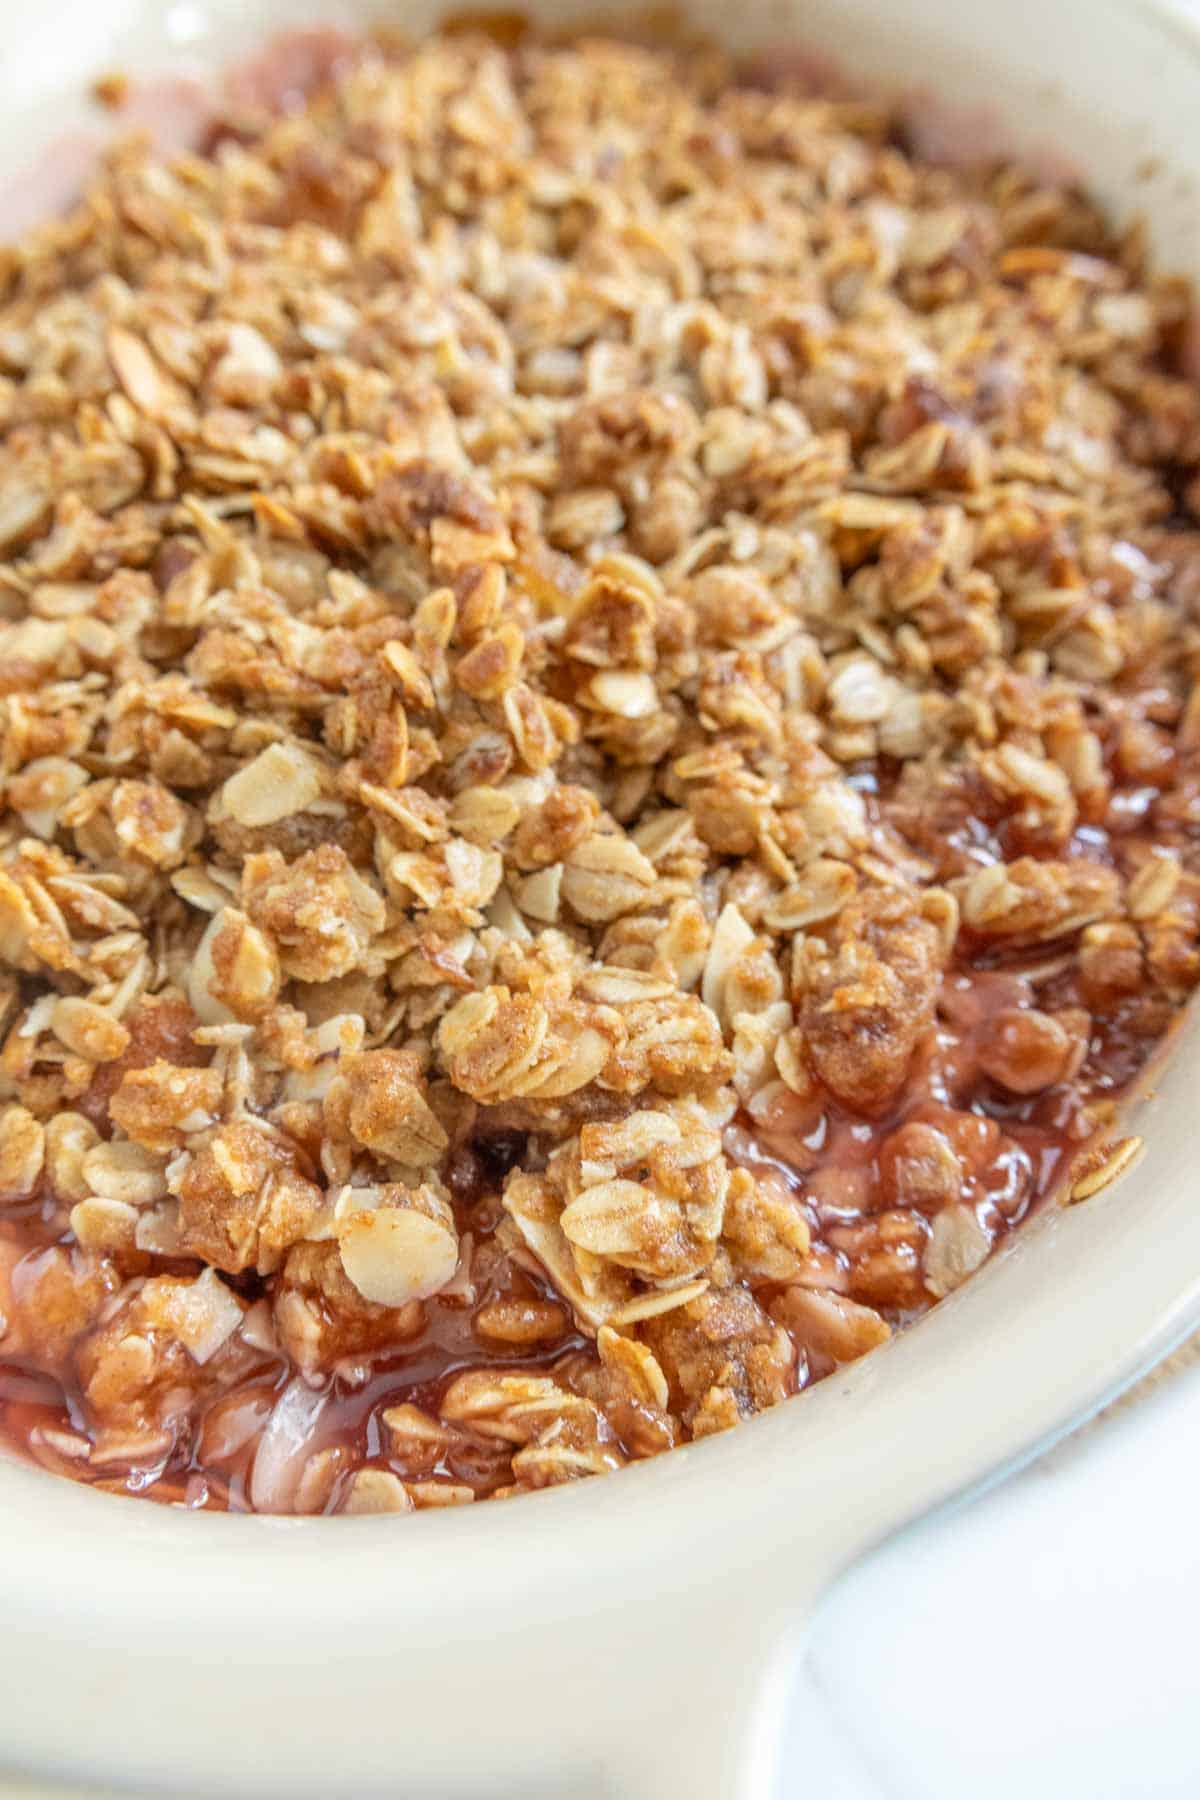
1041, 1643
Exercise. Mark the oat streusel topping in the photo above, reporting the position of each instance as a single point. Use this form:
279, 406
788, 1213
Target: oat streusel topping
600, 773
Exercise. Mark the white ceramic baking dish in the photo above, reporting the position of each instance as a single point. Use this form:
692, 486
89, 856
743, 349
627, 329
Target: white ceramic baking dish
622, 1636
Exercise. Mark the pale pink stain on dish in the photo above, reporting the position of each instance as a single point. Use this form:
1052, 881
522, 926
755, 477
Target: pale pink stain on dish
290, 67
788, 65
49, 183
937, 130
177, 112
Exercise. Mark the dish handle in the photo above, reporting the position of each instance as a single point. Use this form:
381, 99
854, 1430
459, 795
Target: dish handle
697, 1707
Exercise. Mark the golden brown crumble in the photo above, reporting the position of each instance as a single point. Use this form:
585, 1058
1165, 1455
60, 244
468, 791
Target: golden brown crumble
601, 768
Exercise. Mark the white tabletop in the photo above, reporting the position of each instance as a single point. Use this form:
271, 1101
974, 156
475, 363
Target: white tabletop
1039, 1642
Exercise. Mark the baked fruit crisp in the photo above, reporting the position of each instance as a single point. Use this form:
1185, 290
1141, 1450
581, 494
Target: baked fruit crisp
600, 764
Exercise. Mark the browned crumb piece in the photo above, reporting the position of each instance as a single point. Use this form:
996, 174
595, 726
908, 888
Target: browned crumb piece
111, 89
867, 997
242, 1197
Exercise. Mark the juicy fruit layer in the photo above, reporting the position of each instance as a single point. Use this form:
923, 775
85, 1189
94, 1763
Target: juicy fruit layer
600, 765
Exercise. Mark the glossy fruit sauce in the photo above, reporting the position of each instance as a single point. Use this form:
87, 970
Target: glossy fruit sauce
870, 1189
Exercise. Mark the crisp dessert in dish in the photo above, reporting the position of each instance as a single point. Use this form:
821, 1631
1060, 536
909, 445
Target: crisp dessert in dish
600, 769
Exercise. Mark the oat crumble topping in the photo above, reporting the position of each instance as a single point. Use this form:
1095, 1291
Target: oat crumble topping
600, 765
